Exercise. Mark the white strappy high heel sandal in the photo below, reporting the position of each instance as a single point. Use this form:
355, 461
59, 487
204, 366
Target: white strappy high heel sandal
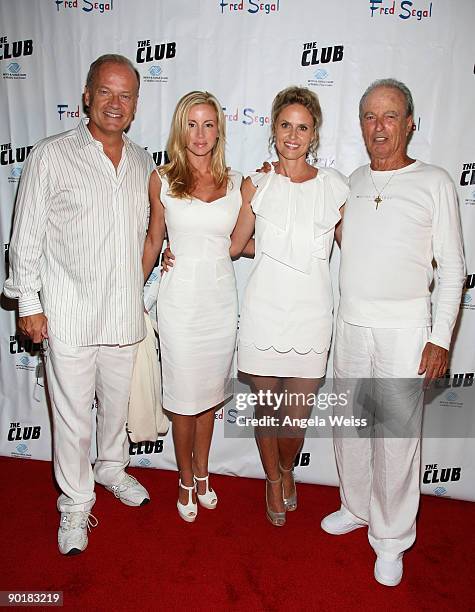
208, 499
189, 511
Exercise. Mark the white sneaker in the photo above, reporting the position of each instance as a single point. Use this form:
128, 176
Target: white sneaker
72, 532
130, 491
388, 572
340, 522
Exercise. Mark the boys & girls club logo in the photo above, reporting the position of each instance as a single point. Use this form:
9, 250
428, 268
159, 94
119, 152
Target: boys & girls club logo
85, 5
322, 77
153, 53
316, 58
14, 71
405, 9
10, 52
14, 68
451, 399
470, 200
26, 362
21, 450
14, 156
456, 386
250, 6
15, 174
26, 353
154, 75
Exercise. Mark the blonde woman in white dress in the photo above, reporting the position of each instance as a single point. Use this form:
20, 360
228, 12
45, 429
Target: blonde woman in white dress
286, 314
196, 198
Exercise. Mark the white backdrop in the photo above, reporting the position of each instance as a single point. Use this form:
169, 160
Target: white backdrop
244, 52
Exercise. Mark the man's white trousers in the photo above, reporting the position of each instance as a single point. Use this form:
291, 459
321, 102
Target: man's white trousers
74, 375
379, 474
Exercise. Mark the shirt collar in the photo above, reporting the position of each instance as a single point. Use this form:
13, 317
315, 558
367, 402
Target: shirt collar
86, 138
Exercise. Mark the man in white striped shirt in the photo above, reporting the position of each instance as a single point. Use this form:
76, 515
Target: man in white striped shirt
78, 236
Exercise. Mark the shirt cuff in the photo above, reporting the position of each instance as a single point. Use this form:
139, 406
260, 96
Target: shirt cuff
29, 305
437, 339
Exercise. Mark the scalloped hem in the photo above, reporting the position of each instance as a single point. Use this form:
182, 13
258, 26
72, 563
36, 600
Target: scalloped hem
285, 349
283, 364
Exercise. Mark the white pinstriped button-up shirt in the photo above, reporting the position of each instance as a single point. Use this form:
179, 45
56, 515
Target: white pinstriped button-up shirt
78, 239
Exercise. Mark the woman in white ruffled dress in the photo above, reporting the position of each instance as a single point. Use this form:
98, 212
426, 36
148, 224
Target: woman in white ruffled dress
286, 315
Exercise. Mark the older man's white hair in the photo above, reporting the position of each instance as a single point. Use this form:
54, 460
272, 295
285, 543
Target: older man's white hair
394, 84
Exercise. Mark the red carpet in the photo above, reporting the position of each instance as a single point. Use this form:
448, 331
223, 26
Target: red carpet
230, 558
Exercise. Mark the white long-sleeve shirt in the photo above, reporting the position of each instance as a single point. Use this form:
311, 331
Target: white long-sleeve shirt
387, 253
78, 237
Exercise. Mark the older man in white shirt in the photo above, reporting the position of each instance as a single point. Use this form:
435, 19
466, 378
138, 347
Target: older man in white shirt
401, 215
78, 236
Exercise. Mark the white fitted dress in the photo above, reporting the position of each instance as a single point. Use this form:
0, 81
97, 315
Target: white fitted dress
286, 316
197, 305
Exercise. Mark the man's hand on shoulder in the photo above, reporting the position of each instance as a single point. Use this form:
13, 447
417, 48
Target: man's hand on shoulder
266, 167
434, 362
34, 326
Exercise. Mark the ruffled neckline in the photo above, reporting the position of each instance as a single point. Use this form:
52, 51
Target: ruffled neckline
301, 213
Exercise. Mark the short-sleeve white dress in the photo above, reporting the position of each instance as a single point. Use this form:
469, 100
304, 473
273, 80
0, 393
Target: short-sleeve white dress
285, 325
197, 304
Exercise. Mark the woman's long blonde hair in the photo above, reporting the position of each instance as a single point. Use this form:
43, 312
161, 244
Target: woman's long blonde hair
178, 171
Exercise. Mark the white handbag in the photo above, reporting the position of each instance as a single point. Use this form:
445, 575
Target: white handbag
146, 420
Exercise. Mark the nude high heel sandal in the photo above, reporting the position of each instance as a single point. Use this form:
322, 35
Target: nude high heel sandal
290, 503
276, 518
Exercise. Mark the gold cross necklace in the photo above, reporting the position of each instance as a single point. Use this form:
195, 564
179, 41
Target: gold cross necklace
378, 199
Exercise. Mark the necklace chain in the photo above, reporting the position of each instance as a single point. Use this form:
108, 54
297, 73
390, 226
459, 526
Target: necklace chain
378, 199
